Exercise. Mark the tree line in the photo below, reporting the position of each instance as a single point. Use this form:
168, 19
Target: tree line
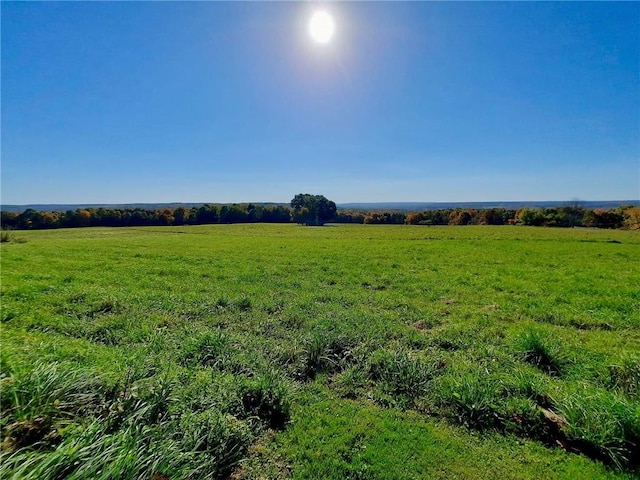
566, 216
139, 217
318, 213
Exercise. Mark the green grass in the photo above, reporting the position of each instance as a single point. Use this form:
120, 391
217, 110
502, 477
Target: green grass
278, 351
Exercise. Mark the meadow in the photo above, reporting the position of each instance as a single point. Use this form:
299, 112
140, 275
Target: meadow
257, 351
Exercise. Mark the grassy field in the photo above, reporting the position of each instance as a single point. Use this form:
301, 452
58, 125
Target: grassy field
361, 352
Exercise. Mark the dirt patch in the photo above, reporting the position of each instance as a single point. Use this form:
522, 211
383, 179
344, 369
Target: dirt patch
36, 433
422, 325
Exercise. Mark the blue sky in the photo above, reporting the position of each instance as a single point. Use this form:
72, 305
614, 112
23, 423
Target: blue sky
113, 102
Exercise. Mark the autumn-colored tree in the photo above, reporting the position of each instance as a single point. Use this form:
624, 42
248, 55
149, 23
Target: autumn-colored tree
385, 218
461, 217
494, 216
632, 218
166, 217
349, 216
602, 218
412, 219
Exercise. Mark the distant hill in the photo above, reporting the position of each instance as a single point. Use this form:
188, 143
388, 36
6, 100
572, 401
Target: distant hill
63, 207
365, 207
423, 206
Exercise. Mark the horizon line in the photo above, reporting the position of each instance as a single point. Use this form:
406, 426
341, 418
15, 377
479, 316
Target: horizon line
392, 202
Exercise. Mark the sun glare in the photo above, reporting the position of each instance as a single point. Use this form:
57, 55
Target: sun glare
321, 27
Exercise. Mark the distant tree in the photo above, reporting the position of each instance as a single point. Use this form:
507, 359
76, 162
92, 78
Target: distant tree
48, 220
373, 218
112, 218
191, 216
27, 219
207, 214
301, 215
461, 217
412, 219
237, 214
349, 216
569, 216
139, 217
434, 217
312, 209
530, 216
602, 218
385, 218
632, 218
493, 216
253, 212
179, 215
275, 214
8, 219
166, 217
224, 214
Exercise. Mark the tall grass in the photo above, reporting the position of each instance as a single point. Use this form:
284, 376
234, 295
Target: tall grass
541, 350
61, 422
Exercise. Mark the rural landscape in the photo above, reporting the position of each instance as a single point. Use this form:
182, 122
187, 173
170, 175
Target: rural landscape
311, 209
346, 351
454, 293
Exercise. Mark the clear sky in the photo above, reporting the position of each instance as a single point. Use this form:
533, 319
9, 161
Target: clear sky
113, 102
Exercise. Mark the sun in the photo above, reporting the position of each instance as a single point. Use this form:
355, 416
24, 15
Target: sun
321, 27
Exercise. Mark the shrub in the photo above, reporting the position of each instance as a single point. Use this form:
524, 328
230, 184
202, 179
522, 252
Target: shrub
6, 237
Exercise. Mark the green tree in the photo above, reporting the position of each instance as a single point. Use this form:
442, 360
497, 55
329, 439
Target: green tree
8, 219
179, 215
530, 216
312, 209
